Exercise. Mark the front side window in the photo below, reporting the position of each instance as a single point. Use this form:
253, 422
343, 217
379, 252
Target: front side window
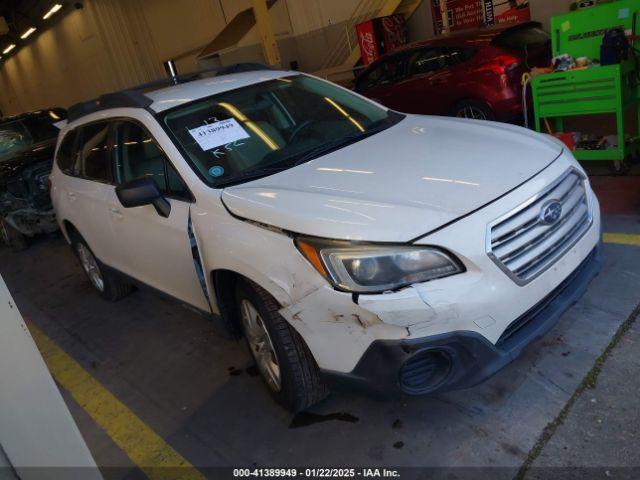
137, 155
271, 126
385, 72
96, 159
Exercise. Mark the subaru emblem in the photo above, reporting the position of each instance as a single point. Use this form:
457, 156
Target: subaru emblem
550, 212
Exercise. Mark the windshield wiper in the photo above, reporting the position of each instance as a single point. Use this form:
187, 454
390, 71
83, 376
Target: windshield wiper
335, 145
305, 157
252, 175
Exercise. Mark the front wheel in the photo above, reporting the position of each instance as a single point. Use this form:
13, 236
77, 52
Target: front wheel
473, 109
284, 361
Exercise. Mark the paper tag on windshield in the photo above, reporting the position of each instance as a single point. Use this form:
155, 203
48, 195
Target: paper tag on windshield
219, 133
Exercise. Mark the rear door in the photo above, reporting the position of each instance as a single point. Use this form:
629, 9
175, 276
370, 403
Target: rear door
89, 183
157, 250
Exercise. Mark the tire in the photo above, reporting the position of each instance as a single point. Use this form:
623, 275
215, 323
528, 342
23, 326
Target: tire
621, 167
299, 384
110, 286
473, 109
14, 239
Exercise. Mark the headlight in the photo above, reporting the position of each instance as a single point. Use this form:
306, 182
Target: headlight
372, 268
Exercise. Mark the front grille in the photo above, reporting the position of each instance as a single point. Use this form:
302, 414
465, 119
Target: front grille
524, 246
569, 290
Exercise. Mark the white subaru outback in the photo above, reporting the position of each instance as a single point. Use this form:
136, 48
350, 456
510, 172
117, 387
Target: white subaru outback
349, 243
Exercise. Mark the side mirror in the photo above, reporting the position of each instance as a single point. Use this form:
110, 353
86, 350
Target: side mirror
143, 191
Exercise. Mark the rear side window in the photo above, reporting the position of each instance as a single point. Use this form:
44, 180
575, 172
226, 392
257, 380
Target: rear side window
460, 55
96, 159
137, 155
65, 157
427, 60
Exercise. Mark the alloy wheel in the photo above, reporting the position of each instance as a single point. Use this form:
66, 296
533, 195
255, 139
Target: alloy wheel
261, 345
90, 266
473, 113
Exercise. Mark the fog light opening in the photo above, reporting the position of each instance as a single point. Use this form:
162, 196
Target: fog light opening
425, 371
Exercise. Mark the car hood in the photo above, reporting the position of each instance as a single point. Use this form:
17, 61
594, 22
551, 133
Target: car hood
399, 184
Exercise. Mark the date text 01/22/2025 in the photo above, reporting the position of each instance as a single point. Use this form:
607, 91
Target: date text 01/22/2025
316, 473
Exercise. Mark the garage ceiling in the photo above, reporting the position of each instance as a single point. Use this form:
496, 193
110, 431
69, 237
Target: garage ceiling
21, 15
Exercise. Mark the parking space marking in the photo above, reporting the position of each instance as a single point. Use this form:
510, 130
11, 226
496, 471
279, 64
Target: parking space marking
145, 448
622, 238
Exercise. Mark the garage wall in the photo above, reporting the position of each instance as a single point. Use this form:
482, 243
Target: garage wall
112, 44
420, 25
107, 45
543, 10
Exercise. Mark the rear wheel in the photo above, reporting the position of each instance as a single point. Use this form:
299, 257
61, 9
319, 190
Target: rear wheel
621, 167
110, 286
473, 109
11, 237
284, 361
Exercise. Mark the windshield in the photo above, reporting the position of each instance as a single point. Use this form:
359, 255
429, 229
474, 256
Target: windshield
271, 126
20, 134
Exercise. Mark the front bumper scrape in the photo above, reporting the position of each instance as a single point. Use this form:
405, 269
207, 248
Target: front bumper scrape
461, 359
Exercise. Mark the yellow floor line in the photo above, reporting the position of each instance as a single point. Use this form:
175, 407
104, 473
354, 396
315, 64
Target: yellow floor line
621, 238
143, 446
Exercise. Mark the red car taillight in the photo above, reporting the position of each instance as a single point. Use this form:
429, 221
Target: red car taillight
500, 64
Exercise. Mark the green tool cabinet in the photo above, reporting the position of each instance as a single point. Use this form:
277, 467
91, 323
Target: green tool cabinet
612, 89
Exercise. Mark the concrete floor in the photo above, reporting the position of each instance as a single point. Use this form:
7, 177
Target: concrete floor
198, 391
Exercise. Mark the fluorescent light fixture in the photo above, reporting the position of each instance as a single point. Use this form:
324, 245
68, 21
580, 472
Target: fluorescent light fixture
53, 10
28, 32
9, 48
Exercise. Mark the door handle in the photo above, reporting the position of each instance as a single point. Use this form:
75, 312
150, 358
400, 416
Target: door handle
116, 213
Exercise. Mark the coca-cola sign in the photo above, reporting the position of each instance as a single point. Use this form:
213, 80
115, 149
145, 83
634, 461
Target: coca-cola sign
367, 42
380, 35
395, 32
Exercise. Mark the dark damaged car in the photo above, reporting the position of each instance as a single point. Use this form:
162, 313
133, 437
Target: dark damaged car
27, 144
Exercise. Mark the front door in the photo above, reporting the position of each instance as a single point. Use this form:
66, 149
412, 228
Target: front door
425, 90
158, 249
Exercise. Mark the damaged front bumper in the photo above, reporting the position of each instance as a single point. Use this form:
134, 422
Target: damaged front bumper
461, 359
32, 221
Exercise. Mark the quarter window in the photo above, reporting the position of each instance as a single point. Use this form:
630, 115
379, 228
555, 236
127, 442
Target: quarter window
66, 152
137, 155
95, 152
427, 61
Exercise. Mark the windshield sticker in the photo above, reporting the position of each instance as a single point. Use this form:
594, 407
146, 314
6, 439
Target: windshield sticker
216, 171
219, 133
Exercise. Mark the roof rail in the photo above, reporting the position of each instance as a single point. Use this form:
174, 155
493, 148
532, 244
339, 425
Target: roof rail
134, 97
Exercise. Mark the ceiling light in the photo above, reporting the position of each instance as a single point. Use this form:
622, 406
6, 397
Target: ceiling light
53, 10
27, 33
9, 48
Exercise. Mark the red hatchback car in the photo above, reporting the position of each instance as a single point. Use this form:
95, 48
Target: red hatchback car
473, 74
